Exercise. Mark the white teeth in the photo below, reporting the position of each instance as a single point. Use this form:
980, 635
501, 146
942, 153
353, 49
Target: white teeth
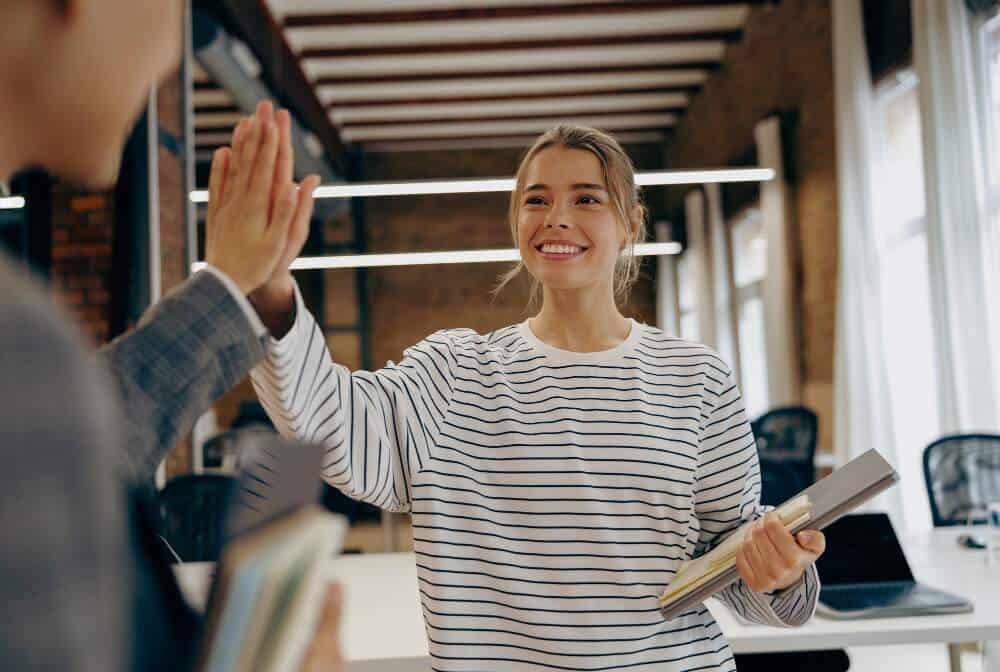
549, 248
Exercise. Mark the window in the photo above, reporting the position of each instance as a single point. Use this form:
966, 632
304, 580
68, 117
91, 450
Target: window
990, 59
901, 237
687, 299
749, 270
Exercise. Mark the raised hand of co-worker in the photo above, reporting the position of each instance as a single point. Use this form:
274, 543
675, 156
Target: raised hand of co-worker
258, 218
771, 558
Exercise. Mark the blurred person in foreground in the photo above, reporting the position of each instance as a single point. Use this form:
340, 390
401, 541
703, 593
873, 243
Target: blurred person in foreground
83, 581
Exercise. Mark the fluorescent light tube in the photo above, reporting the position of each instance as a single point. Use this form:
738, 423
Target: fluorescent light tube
11, 202
365, 189
424, 258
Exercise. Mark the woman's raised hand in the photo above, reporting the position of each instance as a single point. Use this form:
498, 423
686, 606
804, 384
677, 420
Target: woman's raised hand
258, 218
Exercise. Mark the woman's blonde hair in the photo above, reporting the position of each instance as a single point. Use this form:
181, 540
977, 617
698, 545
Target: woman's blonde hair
619, 177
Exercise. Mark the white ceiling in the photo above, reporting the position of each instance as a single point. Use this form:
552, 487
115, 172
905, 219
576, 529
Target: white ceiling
431, 77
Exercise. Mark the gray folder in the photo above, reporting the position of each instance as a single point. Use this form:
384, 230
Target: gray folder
839, 493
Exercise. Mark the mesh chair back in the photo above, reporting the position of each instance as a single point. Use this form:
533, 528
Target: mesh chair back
962, 475
786, 447
193, 511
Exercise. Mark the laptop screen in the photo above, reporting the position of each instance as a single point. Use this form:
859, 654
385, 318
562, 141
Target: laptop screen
862, 548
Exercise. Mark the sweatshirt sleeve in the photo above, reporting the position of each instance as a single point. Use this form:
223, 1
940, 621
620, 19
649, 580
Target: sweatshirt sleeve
727, 495
378, 427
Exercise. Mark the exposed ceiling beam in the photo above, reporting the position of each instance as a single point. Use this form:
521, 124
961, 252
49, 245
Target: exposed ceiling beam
379, 123
511, 109
216, 109
252, 21
568, 60
341, 80
527, 10
495, 87
517, 45
347, 105
610, 122
494, 142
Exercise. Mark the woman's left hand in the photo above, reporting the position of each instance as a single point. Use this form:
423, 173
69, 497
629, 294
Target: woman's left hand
770, 558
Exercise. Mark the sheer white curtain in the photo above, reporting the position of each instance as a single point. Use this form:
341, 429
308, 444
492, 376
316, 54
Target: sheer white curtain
862, 415
958, 237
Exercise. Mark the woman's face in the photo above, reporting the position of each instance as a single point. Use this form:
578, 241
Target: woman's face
567, 231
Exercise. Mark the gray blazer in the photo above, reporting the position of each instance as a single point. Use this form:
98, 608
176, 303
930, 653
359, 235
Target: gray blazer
70, 433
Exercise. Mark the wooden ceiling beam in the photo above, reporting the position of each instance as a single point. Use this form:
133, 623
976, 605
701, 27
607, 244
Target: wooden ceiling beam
517, 45
518, 12
486, 74
348, 104
369, 123
216, 109
666, 130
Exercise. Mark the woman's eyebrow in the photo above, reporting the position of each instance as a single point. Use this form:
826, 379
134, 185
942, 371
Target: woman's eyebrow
575, 187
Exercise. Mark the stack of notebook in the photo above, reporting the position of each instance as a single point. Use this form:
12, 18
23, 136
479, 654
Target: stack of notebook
814, 508
270, 581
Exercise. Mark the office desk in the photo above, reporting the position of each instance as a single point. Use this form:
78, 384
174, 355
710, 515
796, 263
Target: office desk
384, 628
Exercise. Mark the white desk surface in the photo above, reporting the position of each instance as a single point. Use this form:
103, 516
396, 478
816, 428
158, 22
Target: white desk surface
383, 621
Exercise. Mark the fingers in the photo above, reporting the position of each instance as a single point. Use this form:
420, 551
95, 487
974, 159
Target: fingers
250, 147
812, 541
298, 231
333, 610
757, 557
781, 539
236, 157
284, 170
217, 180
746, 571
284, 210
262, 180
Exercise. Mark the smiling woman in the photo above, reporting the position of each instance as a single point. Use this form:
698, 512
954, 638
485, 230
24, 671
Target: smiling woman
558, 470
578, 173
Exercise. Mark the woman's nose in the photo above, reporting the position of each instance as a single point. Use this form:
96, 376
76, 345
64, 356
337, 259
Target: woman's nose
556, 219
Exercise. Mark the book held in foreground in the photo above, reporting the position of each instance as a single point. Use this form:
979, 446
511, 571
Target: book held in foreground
814, 508
270, 581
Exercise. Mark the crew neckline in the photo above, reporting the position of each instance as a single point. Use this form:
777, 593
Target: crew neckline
570, 356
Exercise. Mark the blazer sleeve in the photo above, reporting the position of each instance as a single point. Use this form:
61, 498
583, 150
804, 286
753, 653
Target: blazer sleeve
187, 350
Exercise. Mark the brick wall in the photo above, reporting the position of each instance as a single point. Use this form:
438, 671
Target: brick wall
82, 239
783, 62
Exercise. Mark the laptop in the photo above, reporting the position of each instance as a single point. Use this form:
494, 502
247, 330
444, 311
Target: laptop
864, 574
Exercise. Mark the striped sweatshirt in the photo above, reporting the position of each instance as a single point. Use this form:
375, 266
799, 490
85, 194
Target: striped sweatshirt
553, 494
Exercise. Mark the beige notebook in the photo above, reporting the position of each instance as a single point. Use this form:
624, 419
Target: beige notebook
814, 508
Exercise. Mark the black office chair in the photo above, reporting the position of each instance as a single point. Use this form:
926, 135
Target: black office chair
193, 510
786, 447
962, 475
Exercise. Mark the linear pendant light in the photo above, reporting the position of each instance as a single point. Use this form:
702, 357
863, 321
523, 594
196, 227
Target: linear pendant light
424, 258
11, 202
419, 188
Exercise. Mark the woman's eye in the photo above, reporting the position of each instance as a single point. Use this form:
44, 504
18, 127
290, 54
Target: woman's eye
535, 200
589, 200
